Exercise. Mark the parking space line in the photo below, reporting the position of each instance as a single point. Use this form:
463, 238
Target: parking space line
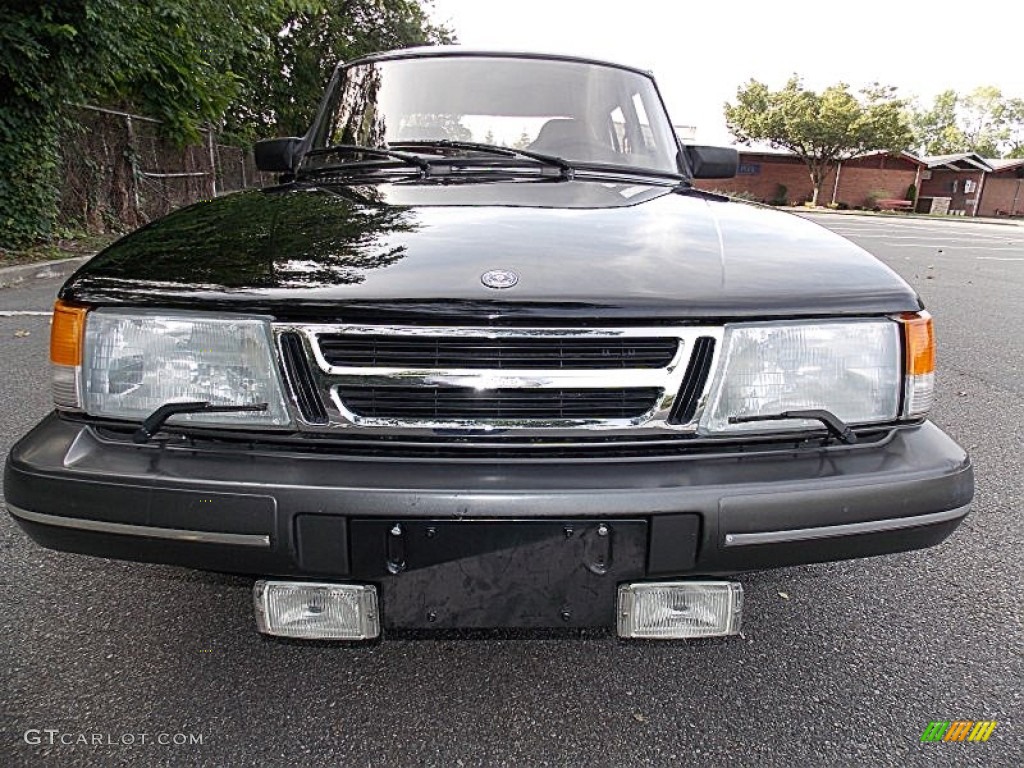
24, 313
944, 238
948, 247
971, 230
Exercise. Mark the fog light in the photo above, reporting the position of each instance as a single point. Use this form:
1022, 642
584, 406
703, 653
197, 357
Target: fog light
670, 610
313, 611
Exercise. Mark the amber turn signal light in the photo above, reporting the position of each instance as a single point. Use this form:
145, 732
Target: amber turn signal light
919, 335
66, 334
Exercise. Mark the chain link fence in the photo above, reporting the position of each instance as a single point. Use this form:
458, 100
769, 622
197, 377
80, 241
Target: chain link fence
120, 172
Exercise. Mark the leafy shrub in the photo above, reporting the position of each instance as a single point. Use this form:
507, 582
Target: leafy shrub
741, 195
871, 201
781, 195
34, 73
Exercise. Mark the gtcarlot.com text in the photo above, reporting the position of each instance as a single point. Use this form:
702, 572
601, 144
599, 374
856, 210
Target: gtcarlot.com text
56, 737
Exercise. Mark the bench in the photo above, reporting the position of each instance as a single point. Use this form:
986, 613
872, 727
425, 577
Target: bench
894, 205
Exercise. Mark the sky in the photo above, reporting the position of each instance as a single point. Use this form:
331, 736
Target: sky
702, 52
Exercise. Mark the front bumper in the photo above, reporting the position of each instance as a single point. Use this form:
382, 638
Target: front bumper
272, 511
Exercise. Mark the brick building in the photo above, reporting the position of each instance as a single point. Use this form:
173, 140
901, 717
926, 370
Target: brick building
953, 184
965, 184
775, 175
768, 175
1003, 192
861, 181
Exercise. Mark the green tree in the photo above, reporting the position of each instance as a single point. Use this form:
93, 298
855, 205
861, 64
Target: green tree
1015, 127
819, 128
281, 91
168, 59
258, 65
936, 129
435, 126
982, 121
38, 48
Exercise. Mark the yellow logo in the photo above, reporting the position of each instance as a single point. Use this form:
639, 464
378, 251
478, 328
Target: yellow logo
959, 730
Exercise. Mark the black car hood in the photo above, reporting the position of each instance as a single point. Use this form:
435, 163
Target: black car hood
580, 248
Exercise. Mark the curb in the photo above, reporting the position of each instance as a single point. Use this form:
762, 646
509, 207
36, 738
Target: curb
899, 216
41, 270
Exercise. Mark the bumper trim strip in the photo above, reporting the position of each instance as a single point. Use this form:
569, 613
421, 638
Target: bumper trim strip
148, 531
849, 529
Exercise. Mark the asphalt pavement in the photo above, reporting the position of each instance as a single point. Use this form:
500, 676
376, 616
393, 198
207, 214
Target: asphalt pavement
839, 664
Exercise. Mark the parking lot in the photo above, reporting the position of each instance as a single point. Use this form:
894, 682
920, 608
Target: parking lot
839, 664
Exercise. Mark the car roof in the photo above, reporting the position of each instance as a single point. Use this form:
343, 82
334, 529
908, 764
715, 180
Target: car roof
432, 51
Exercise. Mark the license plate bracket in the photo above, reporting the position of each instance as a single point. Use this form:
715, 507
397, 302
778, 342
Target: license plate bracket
445, 574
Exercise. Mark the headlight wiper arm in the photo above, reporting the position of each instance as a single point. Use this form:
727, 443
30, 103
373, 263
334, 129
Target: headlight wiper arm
156, 419
836, 427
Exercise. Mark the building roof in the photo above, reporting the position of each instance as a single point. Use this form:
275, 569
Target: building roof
910, 157
1005, 163
764, 149
962, 161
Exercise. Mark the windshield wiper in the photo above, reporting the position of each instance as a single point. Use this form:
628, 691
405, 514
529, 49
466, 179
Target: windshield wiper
156, 419
836, 427
351, 149
471, 146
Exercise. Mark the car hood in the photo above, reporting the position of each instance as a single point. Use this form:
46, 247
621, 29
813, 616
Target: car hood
578, 248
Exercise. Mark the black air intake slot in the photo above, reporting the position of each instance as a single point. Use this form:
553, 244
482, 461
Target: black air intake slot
429, 403
500, 353
300, 379
697, 372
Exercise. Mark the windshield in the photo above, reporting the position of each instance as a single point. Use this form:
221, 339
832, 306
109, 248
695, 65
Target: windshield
584, 113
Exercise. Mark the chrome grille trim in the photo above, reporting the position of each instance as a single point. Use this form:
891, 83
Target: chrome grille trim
669, 379
448, 403
504, 353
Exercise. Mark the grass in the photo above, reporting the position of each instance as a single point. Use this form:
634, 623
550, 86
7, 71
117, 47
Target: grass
76, 244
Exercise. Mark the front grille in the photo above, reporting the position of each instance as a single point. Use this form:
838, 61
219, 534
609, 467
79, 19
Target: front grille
432, 403
500, 353
375, 379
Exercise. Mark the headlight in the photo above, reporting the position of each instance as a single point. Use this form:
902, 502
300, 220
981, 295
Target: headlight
851, 368
133, 362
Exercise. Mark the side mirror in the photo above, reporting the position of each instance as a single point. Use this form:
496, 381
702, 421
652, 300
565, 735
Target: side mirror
276, 155
712, 162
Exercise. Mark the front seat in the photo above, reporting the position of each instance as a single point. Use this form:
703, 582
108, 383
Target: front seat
562, 133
